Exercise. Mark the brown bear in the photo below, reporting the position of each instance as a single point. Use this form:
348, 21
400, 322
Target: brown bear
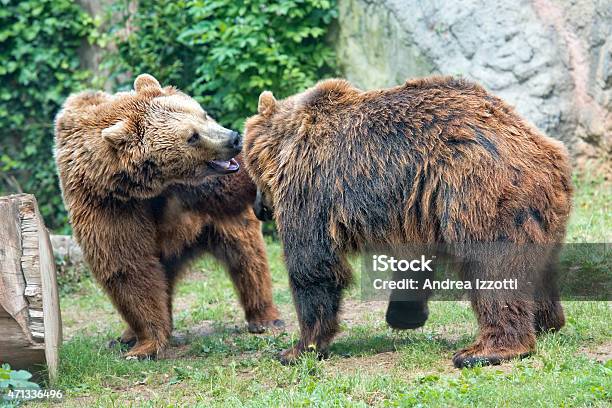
150, 183
435, 160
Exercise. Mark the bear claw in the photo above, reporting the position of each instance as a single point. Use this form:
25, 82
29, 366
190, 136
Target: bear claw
292, 355
121, 343
462, 359
469, 362
140, 358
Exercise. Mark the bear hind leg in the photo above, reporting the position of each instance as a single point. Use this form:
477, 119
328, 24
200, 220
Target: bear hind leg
506, 332
548, 313
240, 247
548, 316
505, 317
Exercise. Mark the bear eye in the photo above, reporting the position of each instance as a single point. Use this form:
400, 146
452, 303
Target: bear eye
194, 138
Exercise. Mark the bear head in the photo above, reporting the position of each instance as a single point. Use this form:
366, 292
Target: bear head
135, 144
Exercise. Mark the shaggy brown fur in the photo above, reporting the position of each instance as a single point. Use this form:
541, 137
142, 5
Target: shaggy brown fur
435, 160
137, 171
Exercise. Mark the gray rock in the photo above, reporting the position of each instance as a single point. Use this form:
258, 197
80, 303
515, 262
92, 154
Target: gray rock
550, 59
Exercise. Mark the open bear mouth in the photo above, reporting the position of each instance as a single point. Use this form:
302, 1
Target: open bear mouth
224, 166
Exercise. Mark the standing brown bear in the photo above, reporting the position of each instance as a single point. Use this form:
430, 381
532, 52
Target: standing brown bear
147, 178
435, 160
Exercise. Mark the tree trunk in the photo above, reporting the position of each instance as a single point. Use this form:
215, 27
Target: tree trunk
30, 321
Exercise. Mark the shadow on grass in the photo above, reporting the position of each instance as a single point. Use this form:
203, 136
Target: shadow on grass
229, 340
364, 345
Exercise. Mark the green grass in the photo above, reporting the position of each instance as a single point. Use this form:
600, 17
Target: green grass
369, 364
591, 216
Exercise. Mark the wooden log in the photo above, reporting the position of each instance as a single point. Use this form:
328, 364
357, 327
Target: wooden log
30, 320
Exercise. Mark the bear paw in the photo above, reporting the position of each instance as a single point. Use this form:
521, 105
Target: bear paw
123, 345
292, 355
482, 355
125, 342
142, 350
260, 326
404, 315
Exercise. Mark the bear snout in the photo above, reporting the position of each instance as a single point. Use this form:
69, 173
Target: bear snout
235, 141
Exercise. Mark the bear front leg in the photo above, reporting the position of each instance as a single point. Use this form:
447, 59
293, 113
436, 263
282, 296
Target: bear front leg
140, 296
317, 306
317, 284
239, 245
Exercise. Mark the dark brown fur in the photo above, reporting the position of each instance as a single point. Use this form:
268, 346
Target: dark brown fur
435, 160
143, 202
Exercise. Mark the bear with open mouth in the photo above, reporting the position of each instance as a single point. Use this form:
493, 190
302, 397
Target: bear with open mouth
151, 181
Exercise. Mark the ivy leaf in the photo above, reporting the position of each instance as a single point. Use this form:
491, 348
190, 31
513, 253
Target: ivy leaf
20, 375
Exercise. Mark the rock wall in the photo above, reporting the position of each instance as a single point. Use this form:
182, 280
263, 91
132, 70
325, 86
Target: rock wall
551, 59
69, 261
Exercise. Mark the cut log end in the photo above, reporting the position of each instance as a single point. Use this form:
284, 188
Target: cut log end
30, 320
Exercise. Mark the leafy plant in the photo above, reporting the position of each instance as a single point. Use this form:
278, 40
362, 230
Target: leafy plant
14, 379
39, 67
11, 380
70, 274
224, 52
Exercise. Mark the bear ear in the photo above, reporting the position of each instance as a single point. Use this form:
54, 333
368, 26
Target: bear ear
117, 134
267, 103
146, 81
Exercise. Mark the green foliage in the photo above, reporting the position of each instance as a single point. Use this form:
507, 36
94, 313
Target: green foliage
225, 52
39, 67
70, 275
14, 380
11, 379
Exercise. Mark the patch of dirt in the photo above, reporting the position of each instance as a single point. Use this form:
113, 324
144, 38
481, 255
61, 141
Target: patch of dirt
181, 340
355, 312
76, 320
288, 315
372, 364
601, 353
204, 328
183, 302
455, 334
